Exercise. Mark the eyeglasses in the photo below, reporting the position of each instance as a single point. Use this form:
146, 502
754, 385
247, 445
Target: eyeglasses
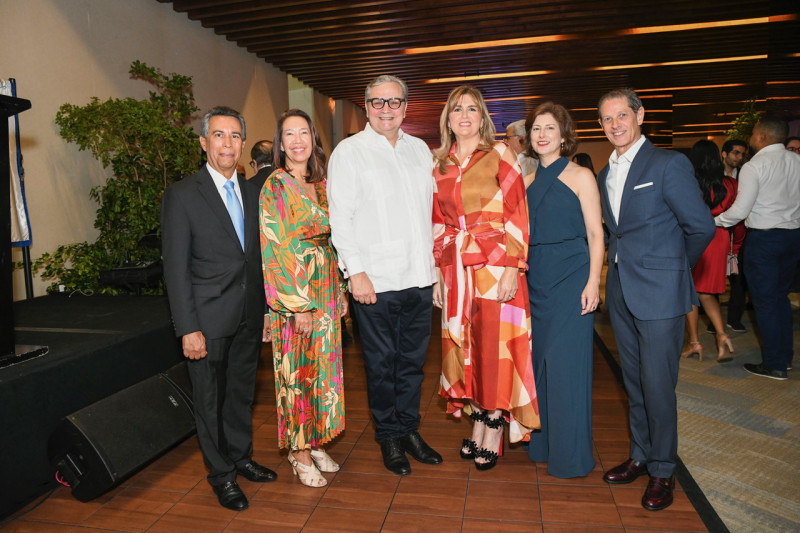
378, 103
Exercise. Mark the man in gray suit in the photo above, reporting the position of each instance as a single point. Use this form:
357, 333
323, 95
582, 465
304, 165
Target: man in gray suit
212, 272
658, 227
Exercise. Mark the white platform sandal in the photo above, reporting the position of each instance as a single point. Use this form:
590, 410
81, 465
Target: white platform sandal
307, 474
324, 461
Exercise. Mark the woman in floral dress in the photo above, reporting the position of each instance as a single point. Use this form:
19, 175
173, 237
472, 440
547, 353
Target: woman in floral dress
307, 298
480, 246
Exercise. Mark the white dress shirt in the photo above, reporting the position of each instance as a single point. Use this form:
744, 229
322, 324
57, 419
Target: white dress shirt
527, 164
769, 191
380, 200
618, 168
220, 181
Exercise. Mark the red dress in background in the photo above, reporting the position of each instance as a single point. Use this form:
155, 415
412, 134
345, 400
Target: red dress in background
710, 272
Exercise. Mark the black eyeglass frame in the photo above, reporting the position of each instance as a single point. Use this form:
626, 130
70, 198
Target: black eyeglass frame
385, 101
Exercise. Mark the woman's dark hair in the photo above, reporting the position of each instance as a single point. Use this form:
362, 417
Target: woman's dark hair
565, 125
316, 163
584, 160
709, 172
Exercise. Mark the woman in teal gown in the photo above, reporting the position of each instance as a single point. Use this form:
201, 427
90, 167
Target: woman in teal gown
565, 260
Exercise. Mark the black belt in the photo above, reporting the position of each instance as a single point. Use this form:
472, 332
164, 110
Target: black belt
773, 229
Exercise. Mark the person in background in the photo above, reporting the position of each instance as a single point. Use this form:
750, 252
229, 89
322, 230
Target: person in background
584, 160
480, 246
261, 162
516, 137
792, 144
769, 203
307, 297
719, 192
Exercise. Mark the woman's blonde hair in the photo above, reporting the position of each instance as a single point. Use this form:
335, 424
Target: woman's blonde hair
441, 154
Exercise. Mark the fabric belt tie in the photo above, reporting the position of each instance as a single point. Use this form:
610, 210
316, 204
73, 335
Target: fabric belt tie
469, 257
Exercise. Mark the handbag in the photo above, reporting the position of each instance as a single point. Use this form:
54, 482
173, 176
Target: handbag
733, 261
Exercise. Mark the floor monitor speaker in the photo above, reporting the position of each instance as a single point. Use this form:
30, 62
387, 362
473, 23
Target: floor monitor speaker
96, 448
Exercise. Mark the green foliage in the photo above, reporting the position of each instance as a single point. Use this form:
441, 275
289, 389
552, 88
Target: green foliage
743, 125
147, 144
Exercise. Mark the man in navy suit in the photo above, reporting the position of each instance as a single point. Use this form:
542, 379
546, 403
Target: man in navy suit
658, 227
212, 272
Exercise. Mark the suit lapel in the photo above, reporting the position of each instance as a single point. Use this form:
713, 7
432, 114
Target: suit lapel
638, 166
608, 215
211, 195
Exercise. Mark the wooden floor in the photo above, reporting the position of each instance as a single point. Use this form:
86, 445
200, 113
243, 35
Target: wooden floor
171, 495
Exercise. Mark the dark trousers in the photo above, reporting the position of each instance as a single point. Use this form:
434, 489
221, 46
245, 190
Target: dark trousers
738, 288
649, 354
224, 383
394, 338
770, 260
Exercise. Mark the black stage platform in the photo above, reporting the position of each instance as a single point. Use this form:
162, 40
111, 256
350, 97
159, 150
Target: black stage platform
98, 345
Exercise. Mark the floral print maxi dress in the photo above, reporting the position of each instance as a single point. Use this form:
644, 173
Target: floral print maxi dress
301, 274
480, 219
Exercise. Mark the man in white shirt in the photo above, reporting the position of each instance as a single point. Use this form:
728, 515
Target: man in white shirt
658, 227
517, 140
769, 202
380, 196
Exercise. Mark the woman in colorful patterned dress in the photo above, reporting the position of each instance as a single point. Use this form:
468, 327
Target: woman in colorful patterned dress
481, 244
307, 298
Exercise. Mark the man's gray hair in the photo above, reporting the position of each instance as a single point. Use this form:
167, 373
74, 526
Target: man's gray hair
626, 93
221, 111
386, 78
518, 127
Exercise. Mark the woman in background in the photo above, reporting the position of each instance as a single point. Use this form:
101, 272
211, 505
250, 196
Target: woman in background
307, 297
480, 246
719, 192
565, 258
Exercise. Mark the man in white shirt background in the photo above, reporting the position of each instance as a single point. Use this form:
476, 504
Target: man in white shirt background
769, 202
380, 196
516, 138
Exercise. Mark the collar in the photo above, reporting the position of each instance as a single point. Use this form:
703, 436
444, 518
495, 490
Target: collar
629, 154
219, 179
374, 135
770, 148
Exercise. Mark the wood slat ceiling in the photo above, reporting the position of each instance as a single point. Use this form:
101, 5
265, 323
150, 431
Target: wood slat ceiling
683, 72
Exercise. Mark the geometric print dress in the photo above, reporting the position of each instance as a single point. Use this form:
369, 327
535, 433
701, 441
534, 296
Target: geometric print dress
480, 220
301, 274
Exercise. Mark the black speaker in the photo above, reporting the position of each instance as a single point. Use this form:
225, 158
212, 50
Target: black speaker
99, 446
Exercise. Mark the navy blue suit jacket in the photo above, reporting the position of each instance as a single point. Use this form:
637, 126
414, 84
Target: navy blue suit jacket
663, 228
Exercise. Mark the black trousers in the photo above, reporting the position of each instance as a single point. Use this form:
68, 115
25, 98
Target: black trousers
224, 384
395, 333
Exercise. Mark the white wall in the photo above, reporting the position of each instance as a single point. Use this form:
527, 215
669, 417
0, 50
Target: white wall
67, 51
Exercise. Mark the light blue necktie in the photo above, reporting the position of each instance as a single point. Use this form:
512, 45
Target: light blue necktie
235, 211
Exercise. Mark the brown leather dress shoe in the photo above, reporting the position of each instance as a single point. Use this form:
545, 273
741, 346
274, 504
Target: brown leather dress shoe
658, 494
625, 473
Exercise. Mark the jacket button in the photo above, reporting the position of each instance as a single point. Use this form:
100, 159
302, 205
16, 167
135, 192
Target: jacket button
619, 235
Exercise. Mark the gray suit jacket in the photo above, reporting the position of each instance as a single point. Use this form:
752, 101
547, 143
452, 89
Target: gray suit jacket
664, 226
211, 283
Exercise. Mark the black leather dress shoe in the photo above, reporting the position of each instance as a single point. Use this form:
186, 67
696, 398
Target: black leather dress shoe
231, 496
419, 449
625, 473
393, 457
256, 473
658, 494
